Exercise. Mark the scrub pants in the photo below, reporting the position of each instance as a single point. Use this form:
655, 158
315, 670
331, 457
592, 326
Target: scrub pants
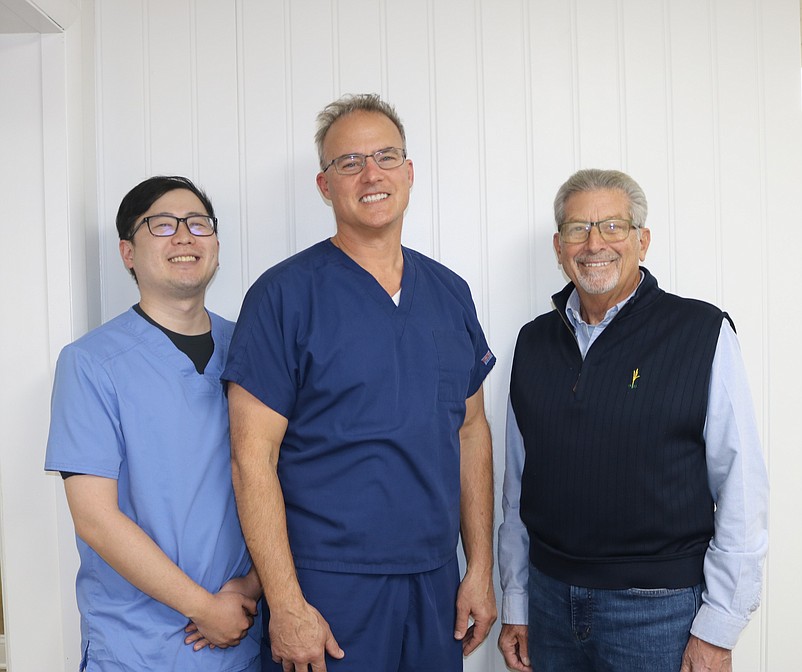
385, 622
593, 630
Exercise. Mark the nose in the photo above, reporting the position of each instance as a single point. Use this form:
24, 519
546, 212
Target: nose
371, 172
595, 240
182, 233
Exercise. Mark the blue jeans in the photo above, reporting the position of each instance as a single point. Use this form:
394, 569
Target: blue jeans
573, 629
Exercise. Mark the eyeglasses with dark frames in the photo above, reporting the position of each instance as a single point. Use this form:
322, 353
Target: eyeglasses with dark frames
164, 226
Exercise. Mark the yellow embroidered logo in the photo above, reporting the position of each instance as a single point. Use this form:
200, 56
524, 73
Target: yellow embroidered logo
635, 376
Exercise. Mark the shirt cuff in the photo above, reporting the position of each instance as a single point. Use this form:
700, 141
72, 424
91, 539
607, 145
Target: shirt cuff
515, 608
717, 628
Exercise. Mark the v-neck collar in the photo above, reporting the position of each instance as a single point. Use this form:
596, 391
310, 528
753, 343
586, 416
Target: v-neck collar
375, 291
161, 345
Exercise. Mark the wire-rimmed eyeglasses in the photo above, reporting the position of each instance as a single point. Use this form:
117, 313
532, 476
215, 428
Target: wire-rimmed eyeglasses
611, 230
352, 164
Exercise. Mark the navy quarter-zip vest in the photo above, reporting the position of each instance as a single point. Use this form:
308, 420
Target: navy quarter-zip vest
614, 490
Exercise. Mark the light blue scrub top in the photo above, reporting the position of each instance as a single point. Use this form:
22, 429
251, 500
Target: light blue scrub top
128, 405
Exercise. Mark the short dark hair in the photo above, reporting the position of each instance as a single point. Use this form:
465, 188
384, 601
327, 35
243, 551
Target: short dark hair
137, 201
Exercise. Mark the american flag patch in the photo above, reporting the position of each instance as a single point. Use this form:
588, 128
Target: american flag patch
488, 356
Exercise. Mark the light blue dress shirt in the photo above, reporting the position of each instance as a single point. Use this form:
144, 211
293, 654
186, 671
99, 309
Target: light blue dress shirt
736, 473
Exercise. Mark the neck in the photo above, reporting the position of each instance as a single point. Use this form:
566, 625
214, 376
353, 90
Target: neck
382, 257
591, 312
187, 316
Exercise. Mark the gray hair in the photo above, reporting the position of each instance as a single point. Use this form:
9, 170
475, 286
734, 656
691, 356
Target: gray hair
362, 102
593, 179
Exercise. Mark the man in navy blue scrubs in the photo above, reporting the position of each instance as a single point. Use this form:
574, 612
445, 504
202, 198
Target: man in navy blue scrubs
359, 439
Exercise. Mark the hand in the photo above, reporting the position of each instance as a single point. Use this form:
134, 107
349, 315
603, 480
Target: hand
246, 585
300, 637
475, 599
225, 622
700, 656
513, 642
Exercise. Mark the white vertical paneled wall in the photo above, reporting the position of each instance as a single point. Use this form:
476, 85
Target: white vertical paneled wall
502, 99
39, 311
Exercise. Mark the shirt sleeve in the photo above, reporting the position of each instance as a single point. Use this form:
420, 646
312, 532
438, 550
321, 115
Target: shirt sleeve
262, 357
485, 360
85, 434
513, 539
733, 567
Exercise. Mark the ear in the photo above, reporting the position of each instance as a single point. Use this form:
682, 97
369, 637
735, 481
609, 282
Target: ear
323, 184
645, 239
410, 173
127, 253
557, 249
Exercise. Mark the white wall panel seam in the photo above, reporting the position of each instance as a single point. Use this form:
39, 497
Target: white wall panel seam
91, 196
622, 86
100, 177
385, 57
292, 244
529, 135
575, 86
435, 149
146, 88
716, 130
482, 152
193, 69
242, 136
670, 149
336, 75
765, 280
760, 86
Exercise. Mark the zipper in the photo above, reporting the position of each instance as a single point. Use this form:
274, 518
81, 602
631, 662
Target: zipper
576, 340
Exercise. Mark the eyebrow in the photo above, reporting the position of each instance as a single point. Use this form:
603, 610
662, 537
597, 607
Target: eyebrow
382, 149
603, 219
170, 214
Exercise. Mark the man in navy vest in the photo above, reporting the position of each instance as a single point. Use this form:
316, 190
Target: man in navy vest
635, 493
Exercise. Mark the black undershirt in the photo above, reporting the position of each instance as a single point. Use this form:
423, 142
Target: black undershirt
199, 349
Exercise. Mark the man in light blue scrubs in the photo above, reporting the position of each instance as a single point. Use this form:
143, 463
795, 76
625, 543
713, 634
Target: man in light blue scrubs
359, 437
139, 431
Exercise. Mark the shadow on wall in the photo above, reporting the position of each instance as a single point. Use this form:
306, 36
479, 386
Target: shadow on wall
2, 631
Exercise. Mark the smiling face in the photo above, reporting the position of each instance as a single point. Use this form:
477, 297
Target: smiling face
179, 266
375, 199
603, 273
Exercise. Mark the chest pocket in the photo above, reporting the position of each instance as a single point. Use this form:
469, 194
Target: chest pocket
454, 363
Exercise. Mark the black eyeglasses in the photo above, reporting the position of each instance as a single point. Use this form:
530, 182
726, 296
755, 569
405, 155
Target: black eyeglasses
352, 164
163, 226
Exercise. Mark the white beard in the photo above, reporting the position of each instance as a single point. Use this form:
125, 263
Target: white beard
598, 280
